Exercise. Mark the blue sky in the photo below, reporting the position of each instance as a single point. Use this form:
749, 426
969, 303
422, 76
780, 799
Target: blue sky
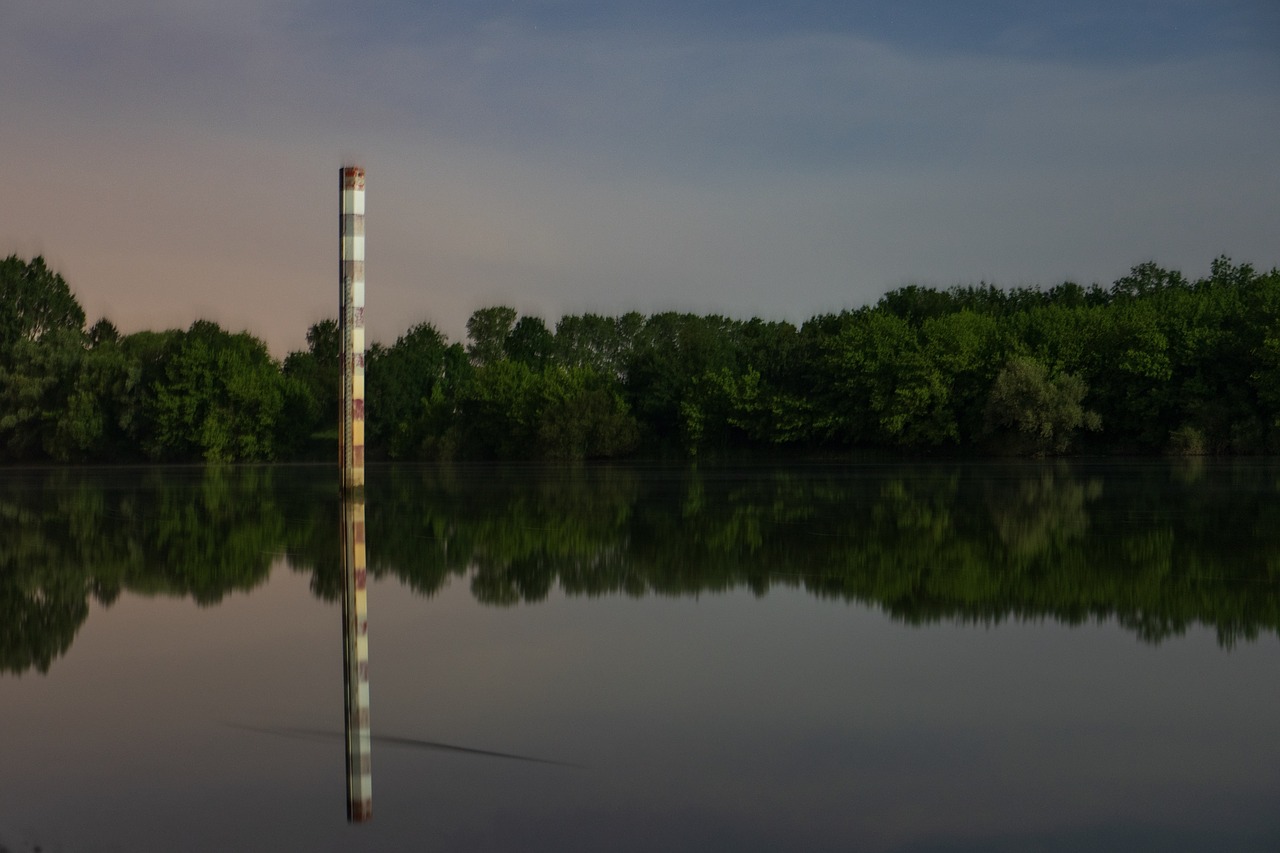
179, 159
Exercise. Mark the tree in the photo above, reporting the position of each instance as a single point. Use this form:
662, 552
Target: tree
1265, 377
1146, 279
318, 372
581, 415
89, 426
34, 301
146, 357
487, 330
62, 401
602, 343
498, 412
667, 357
103, 332
888, 389
964, 349
401, 381
35, 389
915, 304
1131, 382
531, 342
220, 398
511, 411
1031, 413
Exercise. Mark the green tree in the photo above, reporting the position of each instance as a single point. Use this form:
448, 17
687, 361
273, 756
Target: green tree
531, 342
220, 398
37, 394
602, 343
915, 303
888, 390
511, 411
1217, 333
103, 332
1265, 375
403, 381
146, 358
498, 412
964, 349
487, 331
582, 415
34, 301
667, 357
1131, 381
318, 372
1031, 413
1147, 279
89, 426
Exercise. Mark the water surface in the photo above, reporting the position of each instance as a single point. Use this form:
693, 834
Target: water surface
860, 656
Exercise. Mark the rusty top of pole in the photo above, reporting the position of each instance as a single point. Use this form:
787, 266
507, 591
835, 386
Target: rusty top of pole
352, 177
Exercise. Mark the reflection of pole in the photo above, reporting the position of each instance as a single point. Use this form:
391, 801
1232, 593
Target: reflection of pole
355, 656
351, 324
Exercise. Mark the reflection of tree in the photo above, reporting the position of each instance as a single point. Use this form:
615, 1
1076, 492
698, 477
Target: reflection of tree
39, 616
1146, 545
69, 535
1041, 513
924, 543
516, 529
527, 578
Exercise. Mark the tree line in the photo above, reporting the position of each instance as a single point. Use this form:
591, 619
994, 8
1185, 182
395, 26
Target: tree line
1156, 363
1157, 548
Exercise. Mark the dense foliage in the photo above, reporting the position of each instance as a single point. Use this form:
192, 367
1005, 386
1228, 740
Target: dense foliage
1158, 547
1154, 364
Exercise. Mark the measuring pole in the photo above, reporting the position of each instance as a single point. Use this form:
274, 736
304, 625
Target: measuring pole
355, 611
351, 323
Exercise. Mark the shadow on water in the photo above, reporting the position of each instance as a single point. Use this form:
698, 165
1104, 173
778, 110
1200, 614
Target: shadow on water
322, 736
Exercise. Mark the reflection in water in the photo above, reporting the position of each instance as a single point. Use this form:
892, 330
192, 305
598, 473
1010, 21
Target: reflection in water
1156, 547
355, 654
1048, 513
725, 723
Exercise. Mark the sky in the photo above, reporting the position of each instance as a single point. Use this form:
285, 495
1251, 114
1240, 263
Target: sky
179, 159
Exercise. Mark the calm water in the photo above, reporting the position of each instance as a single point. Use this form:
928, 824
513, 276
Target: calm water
821, 657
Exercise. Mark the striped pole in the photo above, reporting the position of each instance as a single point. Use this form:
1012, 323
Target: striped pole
351, 322
355, 610
355, 656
